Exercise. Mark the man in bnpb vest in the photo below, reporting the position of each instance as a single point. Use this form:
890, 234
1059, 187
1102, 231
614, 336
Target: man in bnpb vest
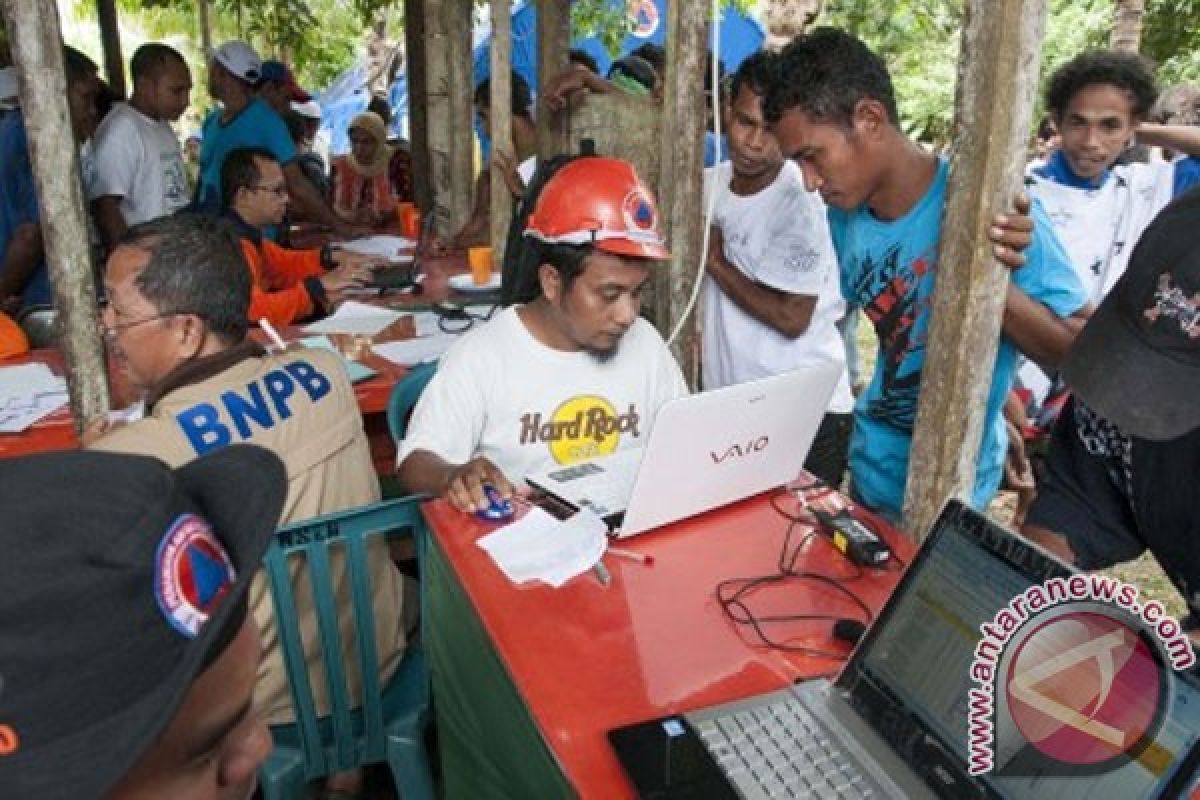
575, 373
176, 322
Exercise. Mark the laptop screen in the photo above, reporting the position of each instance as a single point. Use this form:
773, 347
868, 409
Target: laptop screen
919, 658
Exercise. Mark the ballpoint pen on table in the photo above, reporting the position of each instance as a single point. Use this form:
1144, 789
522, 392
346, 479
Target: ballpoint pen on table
630, 555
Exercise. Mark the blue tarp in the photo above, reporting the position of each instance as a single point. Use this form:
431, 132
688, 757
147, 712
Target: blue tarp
740, 36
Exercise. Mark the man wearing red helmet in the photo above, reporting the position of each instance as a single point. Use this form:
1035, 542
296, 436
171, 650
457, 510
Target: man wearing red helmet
575, 373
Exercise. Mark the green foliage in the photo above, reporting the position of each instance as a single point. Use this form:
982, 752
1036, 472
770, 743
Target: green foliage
919, 41
1171, 37
318, 38
599, 18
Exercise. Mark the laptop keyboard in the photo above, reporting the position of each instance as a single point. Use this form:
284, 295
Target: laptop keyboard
778, 750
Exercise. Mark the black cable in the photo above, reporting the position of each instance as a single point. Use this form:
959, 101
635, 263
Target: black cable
457, 319
732, 595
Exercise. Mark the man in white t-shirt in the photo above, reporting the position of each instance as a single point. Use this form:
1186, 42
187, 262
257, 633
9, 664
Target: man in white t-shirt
139, 168
1099, 101
574, 374
772, 296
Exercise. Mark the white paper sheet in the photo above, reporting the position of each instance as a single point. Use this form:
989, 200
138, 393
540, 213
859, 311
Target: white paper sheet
28, 393
27, 380
542, 548
357, 318
409, 352
388, 247
18, 413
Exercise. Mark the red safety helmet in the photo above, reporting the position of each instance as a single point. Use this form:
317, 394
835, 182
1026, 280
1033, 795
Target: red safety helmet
602, 202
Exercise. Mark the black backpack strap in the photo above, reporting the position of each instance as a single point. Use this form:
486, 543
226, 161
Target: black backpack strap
518, 272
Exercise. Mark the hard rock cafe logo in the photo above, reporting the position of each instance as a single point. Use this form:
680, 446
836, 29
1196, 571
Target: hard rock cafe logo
583, 427
644, 14
1170, 303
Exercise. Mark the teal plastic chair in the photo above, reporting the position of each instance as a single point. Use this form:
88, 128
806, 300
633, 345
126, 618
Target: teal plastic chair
404, 398
390, 725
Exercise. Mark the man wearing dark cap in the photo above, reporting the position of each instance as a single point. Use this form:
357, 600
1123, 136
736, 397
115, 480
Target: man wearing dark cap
279, 89
127, 656
1121, 472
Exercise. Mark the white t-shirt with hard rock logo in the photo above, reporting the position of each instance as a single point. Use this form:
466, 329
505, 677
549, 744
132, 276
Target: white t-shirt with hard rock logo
502, 394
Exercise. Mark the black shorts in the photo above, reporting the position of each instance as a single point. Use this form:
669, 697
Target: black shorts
1080, 498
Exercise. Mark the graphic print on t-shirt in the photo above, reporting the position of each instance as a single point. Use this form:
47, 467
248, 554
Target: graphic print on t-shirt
175, 182
585, 426
890, 297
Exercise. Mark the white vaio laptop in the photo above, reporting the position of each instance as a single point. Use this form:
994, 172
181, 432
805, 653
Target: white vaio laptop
704, 451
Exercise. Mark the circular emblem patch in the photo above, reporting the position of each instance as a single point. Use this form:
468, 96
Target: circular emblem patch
644, 14
638, 211
192, 574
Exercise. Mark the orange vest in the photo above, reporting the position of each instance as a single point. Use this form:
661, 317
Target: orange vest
12, 338
277, 291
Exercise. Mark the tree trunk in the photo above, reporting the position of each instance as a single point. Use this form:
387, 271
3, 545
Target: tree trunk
204, 11
787, 19
110, 39
1127, 26
554, 41
997, 85
501, 122
681, 172
449, 88
418, 118
37, 51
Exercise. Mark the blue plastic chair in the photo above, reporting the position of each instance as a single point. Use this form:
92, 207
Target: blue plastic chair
404, 398
390, 725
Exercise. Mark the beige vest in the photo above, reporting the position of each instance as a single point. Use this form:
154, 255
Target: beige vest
301, 406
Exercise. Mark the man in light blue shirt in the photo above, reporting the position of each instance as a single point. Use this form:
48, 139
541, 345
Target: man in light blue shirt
833, 110
23, 273
246, 121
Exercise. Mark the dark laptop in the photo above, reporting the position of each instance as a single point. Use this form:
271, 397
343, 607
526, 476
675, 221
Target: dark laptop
894, 724
393, 277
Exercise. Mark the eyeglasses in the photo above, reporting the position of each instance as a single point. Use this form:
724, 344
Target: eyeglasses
110, 331
278, 191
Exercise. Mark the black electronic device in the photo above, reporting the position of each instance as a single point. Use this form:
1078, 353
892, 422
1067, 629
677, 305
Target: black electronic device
855, 540
666, 759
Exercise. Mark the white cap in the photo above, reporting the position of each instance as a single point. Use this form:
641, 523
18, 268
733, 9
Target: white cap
240, 59
310, 109
9, 95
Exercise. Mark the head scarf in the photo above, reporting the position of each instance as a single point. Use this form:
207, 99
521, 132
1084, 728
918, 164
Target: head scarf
371, 123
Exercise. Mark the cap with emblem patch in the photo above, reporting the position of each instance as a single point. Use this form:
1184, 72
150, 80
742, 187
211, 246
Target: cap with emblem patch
1137, 361
122, 580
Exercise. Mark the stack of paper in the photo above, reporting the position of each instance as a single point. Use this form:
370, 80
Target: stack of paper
27, 394
410, 352
388, 247
356, 318
539, 547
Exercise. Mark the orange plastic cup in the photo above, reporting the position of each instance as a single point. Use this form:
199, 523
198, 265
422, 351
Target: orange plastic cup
480, 259
410, 223
402, 209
